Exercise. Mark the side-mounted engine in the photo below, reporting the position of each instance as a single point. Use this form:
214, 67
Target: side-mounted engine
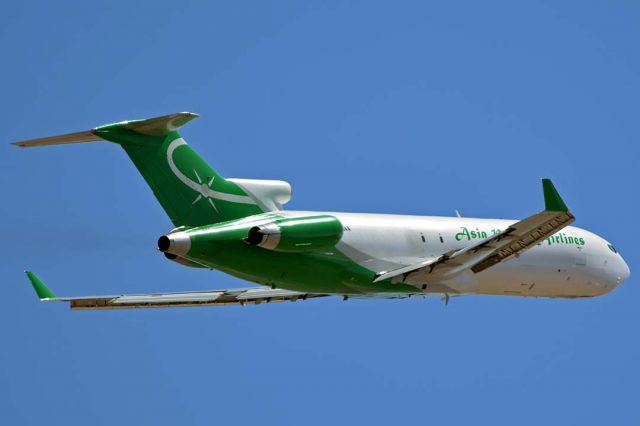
297, 235
287, 235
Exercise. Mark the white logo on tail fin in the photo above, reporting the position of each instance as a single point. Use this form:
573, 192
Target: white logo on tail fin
203, 188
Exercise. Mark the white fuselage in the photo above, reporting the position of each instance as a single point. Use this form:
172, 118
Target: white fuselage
572, 263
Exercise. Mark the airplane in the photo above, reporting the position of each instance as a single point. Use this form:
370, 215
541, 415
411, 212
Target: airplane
238, 226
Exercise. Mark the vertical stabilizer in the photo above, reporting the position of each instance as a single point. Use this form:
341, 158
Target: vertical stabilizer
188, 189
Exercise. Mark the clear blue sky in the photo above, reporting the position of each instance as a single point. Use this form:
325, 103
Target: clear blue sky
394, 107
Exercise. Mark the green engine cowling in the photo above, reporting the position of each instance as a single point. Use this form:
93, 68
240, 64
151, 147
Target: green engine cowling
297, 235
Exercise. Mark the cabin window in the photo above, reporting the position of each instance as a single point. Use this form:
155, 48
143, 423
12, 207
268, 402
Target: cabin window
612, 248
441, 239
423, 240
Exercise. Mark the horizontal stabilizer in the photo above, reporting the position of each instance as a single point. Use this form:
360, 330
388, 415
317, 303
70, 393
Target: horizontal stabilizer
77, 137
157, 126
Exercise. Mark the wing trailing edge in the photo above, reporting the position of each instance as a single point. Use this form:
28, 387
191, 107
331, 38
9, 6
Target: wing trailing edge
253, 295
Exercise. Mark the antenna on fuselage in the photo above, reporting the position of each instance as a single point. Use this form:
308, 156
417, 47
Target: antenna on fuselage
445, 298
458, 213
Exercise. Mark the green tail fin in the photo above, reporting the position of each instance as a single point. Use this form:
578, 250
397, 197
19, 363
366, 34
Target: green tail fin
188, 189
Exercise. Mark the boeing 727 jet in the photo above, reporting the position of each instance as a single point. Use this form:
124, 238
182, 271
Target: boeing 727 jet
239, 226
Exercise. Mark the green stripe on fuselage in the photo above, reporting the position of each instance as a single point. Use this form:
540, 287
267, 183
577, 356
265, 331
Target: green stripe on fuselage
328, 271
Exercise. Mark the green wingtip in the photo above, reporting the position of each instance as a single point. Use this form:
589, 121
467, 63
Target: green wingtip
42, 290
552, 200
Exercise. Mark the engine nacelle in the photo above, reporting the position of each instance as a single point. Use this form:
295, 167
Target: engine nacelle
297, 235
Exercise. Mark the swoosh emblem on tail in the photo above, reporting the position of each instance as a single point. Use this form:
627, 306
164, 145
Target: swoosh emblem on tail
202, 188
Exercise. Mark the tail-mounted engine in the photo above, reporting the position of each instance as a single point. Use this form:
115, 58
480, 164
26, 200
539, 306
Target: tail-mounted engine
297, 235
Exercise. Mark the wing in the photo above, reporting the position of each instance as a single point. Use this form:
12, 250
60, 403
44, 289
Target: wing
501, 247
254, 295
